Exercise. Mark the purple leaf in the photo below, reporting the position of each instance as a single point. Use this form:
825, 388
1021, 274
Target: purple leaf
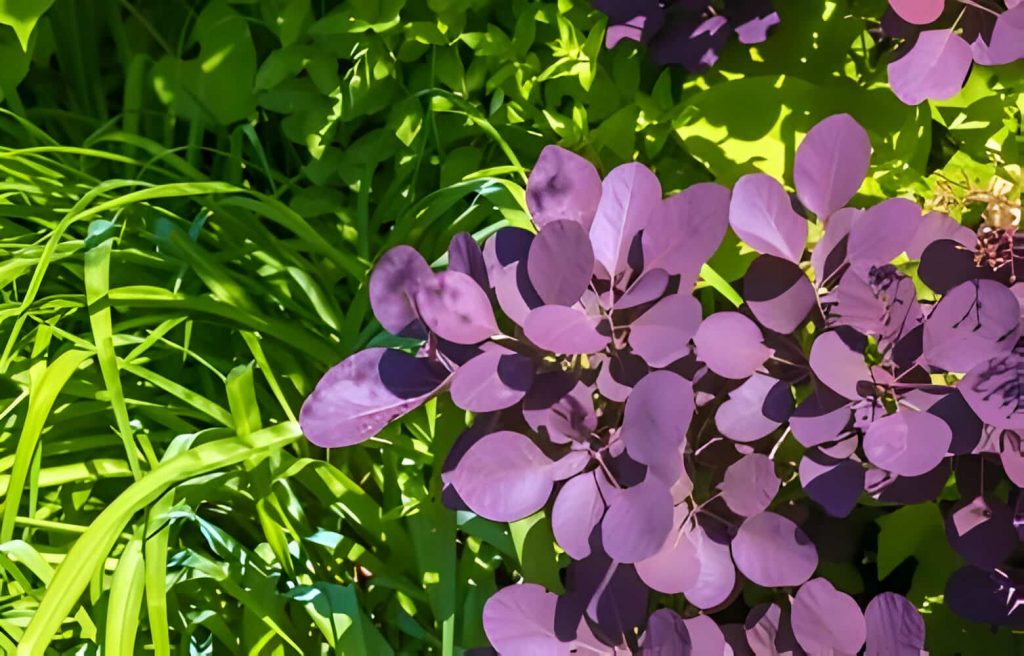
630, 195
657, 416
831, 162
882, 233
1006, 45
668, 634
563, 187
907, 442
648, 287
778, 293
731, 345
686, 230
988, 597
982, 531
837, 365
882, 304
769, 632
835, 485
456, 308
820, 418
995, 391
750, 485
465, 256
827, 621
755, 408
894, 627
772, 551
519, 620
691, 563
493, 380
396, 278
506, 247
936, 226
975, 321
637, 522
829, 254
934, 69
662, 334
561, 262
762, 215
560, 404
365, 392
578, 509
618, 373
504, 477
514, 292
918, 12
564, 330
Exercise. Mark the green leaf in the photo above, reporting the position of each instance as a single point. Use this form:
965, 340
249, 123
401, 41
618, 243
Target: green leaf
22, 15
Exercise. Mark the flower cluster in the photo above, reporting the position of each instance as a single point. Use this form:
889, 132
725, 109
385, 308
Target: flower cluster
942, 38
687, 32
887, 358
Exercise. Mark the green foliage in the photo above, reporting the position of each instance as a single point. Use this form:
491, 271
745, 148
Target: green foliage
191, 196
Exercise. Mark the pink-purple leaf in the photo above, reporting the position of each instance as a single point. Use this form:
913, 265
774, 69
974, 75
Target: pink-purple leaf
973, 322
504, 477
918, 12
578, 509
686, 230
750, 484
827, 621
630, 195
894, 626
778, 293
934, 69
754, 409
564, 330
519, 620
907, 442
455, 307
396, 278
831, 163
637, 521
837, 365
657, 416
560, 262
690, 562
494, 380
995, 391
1006, 44
731, 345
563, 187
762, 215
774, 552
365, 392
662, 334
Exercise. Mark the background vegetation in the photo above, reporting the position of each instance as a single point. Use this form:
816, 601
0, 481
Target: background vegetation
191, 196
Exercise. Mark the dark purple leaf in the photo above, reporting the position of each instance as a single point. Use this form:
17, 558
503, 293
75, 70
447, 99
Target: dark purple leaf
907, 442
779, 294
506, 247
465, 256
772, 551
989, 597
365, 392
563, 187
396, 278
493, 380
975, 321
831, 162
662, 334
731, 345
514, 292
630, 195
953, 409
827, 621
894, 627
564, 330
835, 485
504, 477
456, 308
668, 634
934, 69
686, 230
750, 485
936, 226
562, 405
762, 215
755, 408
618, 373
981, 530
946, 264
561, 262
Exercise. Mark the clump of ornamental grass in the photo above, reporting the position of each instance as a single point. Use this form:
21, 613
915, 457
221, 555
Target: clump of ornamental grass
708, 457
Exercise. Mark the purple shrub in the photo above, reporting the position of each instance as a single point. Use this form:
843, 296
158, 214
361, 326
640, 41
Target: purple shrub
688, 33
699, 455
943, 38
